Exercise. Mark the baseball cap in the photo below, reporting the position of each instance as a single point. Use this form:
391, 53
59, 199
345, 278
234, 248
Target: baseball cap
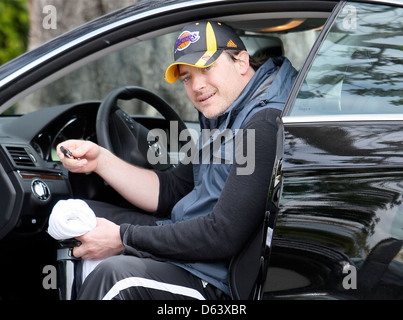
200, 44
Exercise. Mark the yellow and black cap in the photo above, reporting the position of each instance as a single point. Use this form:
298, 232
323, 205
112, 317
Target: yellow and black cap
200, 44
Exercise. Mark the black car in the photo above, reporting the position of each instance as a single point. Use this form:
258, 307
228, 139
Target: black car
338, 182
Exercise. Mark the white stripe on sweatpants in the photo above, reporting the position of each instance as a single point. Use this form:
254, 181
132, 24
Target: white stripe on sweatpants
147, 283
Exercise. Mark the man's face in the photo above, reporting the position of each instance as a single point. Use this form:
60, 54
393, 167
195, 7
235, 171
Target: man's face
213, 89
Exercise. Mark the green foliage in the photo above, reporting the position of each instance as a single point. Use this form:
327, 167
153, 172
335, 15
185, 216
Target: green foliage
14, 28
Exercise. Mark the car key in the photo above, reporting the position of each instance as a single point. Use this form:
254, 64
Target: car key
68, 153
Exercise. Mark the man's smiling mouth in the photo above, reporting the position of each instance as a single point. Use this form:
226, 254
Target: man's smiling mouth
205, 97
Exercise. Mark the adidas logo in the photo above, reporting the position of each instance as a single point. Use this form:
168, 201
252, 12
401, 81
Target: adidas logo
231, 44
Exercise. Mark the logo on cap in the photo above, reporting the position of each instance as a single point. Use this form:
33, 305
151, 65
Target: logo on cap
206, 57
185, 39
231, 44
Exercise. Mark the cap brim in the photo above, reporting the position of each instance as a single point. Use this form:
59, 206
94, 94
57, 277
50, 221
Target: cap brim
197, 60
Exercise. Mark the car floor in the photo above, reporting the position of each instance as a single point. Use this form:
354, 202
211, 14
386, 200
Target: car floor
22, 267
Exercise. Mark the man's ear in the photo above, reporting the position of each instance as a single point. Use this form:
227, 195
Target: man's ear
243, 62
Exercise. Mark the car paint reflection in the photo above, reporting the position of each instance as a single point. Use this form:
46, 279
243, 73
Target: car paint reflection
353, 206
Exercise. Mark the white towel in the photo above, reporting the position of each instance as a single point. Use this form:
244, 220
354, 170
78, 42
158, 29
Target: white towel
72, 218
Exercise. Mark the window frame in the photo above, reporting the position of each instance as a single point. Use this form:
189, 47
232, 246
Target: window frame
287, 116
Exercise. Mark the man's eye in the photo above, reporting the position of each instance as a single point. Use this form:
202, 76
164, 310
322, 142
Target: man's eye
185, 79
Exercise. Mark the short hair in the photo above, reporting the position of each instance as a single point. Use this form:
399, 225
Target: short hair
254, 62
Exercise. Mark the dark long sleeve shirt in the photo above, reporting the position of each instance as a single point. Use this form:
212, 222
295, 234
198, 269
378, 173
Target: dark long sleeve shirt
236, 215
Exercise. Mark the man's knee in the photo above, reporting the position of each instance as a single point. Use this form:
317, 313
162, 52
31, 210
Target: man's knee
121, 266
102, 281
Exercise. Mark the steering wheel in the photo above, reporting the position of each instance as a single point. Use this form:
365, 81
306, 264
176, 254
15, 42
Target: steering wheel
125, 137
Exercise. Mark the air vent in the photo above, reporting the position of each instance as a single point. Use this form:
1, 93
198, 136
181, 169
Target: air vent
20, 156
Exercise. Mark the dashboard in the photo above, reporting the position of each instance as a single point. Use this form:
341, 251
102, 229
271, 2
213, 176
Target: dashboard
32, 178
77, 123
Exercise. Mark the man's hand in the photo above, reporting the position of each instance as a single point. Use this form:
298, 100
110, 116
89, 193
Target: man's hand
101, 242
86, 154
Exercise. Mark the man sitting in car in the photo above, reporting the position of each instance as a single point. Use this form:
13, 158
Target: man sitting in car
199, 214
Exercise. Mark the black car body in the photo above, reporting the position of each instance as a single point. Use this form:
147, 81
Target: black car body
338, 232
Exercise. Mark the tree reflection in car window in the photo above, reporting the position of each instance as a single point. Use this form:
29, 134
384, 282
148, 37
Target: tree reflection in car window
359, 67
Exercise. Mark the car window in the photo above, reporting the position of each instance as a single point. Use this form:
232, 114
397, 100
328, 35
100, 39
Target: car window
359, 67
143, 63
140, 64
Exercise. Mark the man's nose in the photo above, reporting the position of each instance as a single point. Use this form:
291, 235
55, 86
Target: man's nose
199, 81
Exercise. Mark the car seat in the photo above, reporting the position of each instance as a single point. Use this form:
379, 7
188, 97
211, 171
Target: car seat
248, 269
